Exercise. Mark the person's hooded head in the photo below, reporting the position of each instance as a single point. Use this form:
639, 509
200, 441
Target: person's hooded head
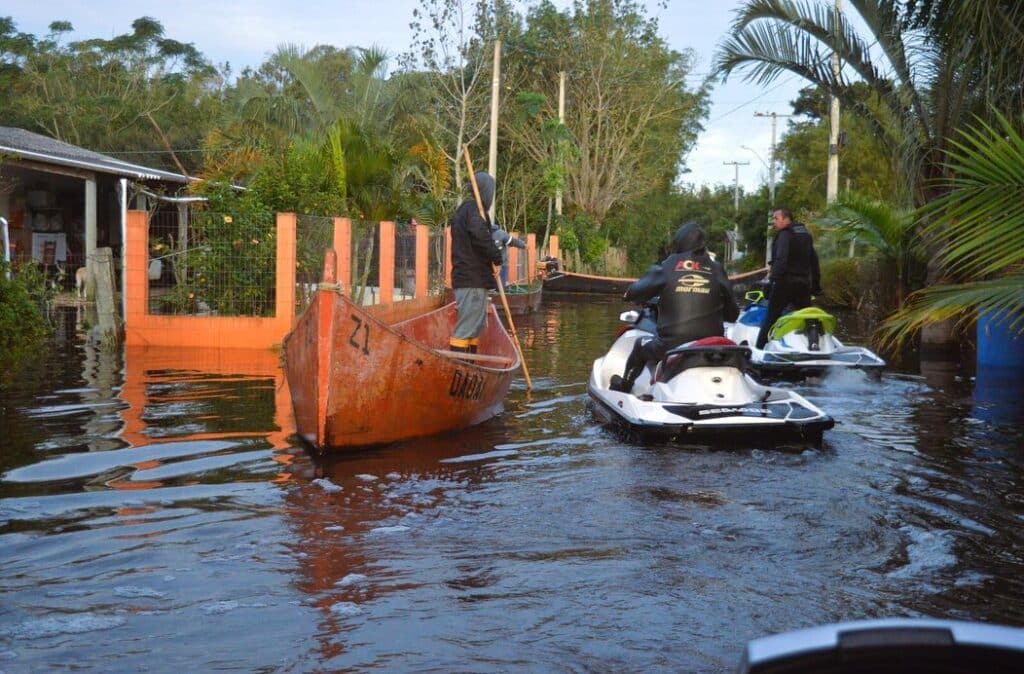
689, 238
484, 183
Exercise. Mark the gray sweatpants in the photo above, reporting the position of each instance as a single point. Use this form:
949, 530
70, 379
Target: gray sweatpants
471, 304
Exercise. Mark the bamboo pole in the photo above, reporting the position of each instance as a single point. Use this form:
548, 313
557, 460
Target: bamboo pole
497, 272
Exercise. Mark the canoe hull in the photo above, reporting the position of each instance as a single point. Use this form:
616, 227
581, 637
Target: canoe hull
570, 282
361, 377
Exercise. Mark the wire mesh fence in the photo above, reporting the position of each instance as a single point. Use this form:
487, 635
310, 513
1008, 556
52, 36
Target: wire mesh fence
203, 263
212, 264
521, 272
314, 235
436, 281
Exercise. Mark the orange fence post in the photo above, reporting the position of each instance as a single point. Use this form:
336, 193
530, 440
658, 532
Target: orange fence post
513, 263
284, 284
553, 246
343, 251
422, 260
136, 276
386, 273
531, 257
448, 257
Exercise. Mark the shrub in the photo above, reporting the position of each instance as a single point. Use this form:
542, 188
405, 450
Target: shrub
23, 328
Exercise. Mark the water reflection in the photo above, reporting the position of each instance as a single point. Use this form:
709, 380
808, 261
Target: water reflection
155, 502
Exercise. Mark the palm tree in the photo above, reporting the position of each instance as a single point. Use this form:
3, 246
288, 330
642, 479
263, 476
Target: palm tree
927, 84
982, 217
886, 229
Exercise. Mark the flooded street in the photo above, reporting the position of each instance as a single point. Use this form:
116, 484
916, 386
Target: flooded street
156, 514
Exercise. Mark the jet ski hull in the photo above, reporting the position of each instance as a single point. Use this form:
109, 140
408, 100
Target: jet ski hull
710, 397
795, 354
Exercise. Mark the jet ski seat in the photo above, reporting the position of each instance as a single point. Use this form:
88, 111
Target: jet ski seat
707, 352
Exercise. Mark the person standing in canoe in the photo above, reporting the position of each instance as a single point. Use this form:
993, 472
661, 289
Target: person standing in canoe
475, 254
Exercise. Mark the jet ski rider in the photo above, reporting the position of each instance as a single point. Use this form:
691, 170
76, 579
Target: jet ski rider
696, 296
795, 275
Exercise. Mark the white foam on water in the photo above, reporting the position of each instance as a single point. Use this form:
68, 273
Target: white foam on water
927, 552
80, 623
134, 592
849, 380
394, 476
481, 457
336, 527
219, 607
328, 486
387, 530
366, 477
346, 608
352, 579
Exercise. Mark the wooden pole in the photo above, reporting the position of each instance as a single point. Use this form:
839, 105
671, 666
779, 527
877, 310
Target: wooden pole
497, 271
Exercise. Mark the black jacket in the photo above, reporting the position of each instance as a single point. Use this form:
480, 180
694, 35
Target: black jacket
696, 295
793, 257
473, 249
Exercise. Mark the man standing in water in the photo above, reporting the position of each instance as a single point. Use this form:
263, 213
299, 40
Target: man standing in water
794, 275
474, 256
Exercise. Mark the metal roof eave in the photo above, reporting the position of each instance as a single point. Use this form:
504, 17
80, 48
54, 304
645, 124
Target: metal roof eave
114, 167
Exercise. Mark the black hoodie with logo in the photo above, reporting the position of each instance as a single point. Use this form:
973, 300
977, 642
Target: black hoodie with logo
696, 295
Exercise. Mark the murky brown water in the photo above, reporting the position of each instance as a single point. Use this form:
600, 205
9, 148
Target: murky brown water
155, 515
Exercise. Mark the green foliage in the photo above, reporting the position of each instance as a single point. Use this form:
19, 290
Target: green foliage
136, 92
866, 164
980, 221
840, 282
581, 235
886, 230
301, 180
23, 328
629, 145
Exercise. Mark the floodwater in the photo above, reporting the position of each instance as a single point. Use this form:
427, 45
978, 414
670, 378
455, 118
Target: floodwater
157, 515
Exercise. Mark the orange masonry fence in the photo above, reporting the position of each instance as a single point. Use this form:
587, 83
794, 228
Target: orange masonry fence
143, 329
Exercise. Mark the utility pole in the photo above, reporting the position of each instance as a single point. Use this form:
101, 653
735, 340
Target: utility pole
736, 202
833, 137
492, 156
561, 120
771, 179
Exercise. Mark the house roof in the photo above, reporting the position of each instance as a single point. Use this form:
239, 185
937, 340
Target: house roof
34, 146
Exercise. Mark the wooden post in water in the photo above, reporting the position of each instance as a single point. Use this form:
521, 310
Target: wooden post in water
109, 320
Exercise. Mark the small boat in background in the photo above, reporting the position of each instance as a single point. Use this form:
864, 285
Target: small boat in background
364, 376
571, 282
524, 298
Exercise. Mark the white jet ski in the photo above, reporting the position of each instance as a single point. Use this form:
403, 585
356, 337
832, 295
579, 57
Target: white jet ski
702, 388
801, 343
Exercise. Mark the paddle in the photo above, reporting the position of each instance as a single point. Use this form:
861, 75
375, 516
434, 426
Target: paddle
497, 271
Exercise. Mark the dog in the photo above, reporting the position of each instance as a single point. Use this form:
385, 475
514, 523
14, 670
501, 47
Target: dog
80, 277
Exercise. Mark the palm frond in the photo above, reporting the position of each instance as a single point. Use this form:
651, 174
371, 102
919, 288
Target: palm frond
962, 302
982, 215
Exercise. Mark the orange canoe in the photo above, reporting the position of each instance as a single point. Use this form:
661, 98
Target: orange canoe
362, 376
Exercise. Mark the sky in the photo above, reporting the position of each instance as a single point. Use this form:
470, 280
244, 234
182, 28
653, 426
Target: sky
245, 33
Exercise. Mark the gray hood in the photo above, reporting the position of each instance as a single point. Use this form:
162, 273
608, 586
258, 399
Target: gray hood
484, 183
